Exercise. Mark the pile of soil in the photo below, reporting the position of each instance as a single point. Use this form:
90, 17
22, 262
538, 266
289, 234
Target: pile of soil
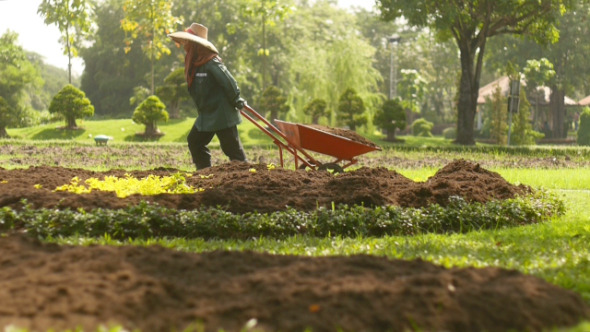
236, 188
157, 289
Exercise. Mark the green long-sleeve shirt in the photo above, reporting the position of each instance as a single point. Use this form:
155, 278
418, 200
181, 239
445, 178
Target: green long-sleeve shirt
215, 93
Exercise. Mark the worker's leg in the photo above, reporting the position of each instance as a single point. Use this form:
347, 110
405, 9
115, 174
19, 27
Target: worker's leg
197, 145
229, 139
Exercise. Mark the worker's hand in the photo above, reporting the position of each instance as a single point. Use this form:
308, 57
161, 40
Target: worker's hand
240, 103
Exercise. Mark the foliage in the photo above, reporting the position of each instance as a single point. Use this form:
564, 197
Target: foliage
496, 118
391, 116
174, 92
470, 26
73, 19
17, 74
351, 109
274, 102
316, 109
110, 74
148, 113
72, 104
129, 185
147, 221
450, 133
584, 129
411, 88
140, 93
422, 127
522, 132
268, 12
149, 21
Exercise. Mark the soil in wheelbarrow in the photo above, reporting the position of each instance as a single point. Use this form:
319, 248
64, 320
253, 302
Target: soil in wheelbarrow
158, 289
242, 187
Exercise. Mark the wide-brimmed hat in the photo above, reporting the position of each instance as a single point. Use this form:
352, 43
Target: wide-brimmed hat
195, 33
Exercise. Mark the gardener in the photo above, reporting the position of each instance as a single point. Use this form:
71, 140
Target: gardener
216, 96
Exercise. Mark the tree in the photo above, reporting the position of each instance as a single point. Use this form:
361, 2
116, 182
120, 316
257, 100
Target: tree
470, 24
269, 12
71, 103
537, 73
390, 117
17, 74
150, 21
350, 110
412, 89
316, 109
584, 130
110, 74
148, 113
173, 92
274, 102
73, 19
522, 132
498, 118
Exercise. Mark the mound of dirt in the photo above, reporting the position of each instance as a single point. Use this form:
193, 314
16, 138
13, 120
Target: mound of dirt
157, 289
235, 187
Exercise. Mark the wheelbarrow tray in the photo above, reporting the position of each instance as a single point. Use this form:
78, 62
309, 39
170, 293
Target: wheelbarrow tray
312, 139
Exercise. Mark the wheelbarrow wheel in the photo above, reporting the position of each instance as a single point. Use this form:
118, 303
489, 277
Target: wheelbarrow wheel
334, 168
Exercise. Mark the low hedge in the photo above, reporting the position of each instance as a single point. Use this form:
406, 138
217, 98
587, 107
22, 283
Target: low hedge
149, 221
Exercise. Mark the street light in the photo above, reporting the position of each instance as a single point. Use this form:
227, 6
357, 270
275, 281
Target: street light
393, 41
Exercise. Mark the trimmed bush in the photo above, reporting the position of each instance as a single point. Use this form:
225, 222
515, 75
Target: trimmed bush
422, 127
450, 133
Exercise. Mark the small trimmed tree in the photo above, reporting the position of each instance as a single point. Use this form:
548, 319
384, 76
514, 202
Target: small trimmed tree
174, 92
390, 117
71, 103
351, 109
316, 109
584, 129
148, 113
422, 127
522, 130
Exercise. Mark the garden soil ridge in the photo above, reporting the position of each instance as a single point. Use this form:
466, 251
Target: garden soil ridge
243, 187
152, 288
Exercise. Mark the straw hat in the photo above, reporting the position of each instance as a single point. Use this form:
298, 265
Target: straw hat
196, 33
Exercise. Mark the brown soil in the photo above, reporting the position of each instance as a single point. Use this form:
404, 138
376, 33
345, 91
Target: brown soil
233, 187
350, 134
157, 289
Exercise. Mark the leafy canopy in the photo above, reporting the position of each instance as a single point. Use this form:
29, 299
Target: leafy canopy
72, 104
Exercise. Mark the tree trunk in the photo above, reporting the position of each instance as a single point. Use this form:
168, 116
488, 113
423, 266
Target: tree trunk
71, 123
558, 112
391, 135
3, 132
468, 93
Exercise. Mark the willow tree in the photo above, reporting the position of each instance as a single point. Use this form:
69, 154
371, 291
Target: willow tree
72, 18
149, 22
470, 24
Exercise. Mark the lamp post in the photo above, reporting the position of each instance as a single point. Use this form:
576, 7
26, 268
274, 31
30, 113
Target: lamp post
393, 41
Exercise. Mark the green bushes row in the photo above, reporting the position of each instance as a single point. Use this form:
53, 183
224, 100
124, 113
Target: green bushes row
148, 221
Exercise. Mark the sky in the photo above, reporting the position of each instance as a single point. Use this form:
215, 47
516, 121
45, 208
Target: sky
21, 17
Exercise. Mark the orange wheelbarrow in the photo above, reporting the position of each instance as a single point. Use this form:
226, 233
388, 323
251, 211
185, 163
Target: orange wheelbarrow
297, 138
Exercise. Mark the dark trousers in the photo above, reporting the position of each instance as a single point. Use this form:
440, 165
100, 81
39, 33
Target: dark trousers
228, 139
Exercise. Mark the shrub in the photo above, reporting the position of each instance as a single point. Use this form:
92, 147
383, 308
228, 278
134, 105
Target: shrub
422, 127
148, 113
584, 129
450, 133
72, 104
391, 116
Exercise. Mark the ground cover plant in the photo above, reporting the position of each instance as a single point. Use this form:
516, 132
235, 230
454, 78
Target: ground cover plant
294, 291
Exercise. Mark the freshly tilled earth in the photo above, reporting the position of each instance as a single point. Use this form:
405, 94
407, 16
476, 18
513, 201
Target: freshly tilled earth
46, 286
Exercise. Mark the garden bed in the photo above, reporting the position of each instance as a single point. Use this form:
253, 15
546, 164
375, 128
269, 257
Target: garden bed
46, 286
242, 187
